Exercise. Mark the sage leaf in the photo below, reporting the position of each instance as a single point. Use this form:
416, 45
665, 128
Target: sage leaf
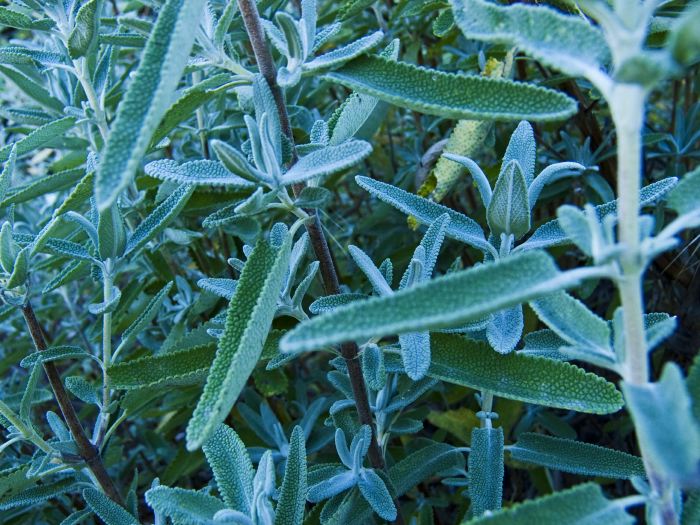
248, 321
200, 172
106, 509
575, 456
183, 505
449, 95
147, 98
84, 33
292, 500
326, 161
486, 470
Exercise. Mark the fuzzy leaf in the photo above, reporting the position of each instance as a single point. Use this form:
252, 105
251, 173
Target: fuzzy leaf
673, 447
38, 494
146, 316
537, 380
567, 42
290, 507
374, 490
415, 353
106, 509
199, 172
233, 471
576, 457
345, 53
449, 95
685, 197
326, 161
460, 227
147, 98
43, 185
55, 353
486, 470
33, 90
505, 329
84, 32
39, 137
574, 506
509, 211
443, 302
159, 218
248, 321
184, 506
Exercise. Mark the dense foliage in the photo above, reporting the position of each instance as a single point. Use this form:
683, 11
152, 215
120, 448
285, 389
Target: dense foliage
348, 262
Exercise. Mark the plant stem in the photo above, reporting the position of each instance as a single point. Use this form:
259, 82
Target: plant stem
106, 350
627, 105
319, 244
87, 451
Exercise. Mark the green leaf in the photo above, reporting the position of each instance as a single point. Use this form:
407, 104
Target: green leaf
147, 98
38, 494
8, 171
537, 380
576, 457
444, 302
200, 172
486, 470
575, 506
344, 54
35, 91
460, 227
20, 269
566, 42
146, 316
248, 321
84, 33
43, 185
666, 429
509, 209
39, 137
326, 161
184, 506
685, 197
107, 510
229, 461
55, 353
292, 501
571, 320
111, 233
11, 18
449, 95
159, 218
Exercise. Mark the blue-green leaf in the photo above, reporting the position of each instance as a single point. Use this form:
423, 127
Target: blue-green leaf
290, 507
486, 470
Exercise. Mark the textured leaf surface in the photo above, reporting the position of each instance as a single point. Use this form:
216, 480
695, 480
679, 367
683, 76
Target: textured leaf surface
106, 509
184, 506
536, 380
443, 302
147, 98
328, 160
575, 506
146, 316
290, 508
39, 137
568, 43
233, 471
159, 218
448, 95
201, 172
486, 470
575, 456
460, 227
248, 321
685, 197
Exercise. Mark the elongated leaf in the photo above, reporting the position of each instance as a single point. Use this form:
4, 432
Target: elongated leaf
54, 353
233, 471
200, 172
685, 197
39, 137
575, 506
35, 91
460, 227
674, 447
43, 185
146, 316
575, 456
106, 509
248, 321
8, 171
290, 507
148, 97
537, 380
443, 302
509, 210
345, 53
448, 95
159, 218
569, 43
486, 470
571, 320
37, 494
326, 161
184, 506
374, 490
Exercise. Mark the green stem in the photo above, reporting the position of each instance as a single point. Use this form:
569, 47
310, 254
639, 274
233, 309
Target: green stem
27, 432
107, 284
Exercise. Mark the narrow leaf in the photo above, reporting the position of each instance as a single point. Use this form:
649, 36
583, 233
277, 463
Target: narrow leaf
106, 509
290, 507
200, 172
486, 470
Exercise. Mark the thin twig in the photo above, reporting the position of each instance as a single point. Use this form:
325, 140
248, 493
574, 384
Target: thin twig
87, 451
